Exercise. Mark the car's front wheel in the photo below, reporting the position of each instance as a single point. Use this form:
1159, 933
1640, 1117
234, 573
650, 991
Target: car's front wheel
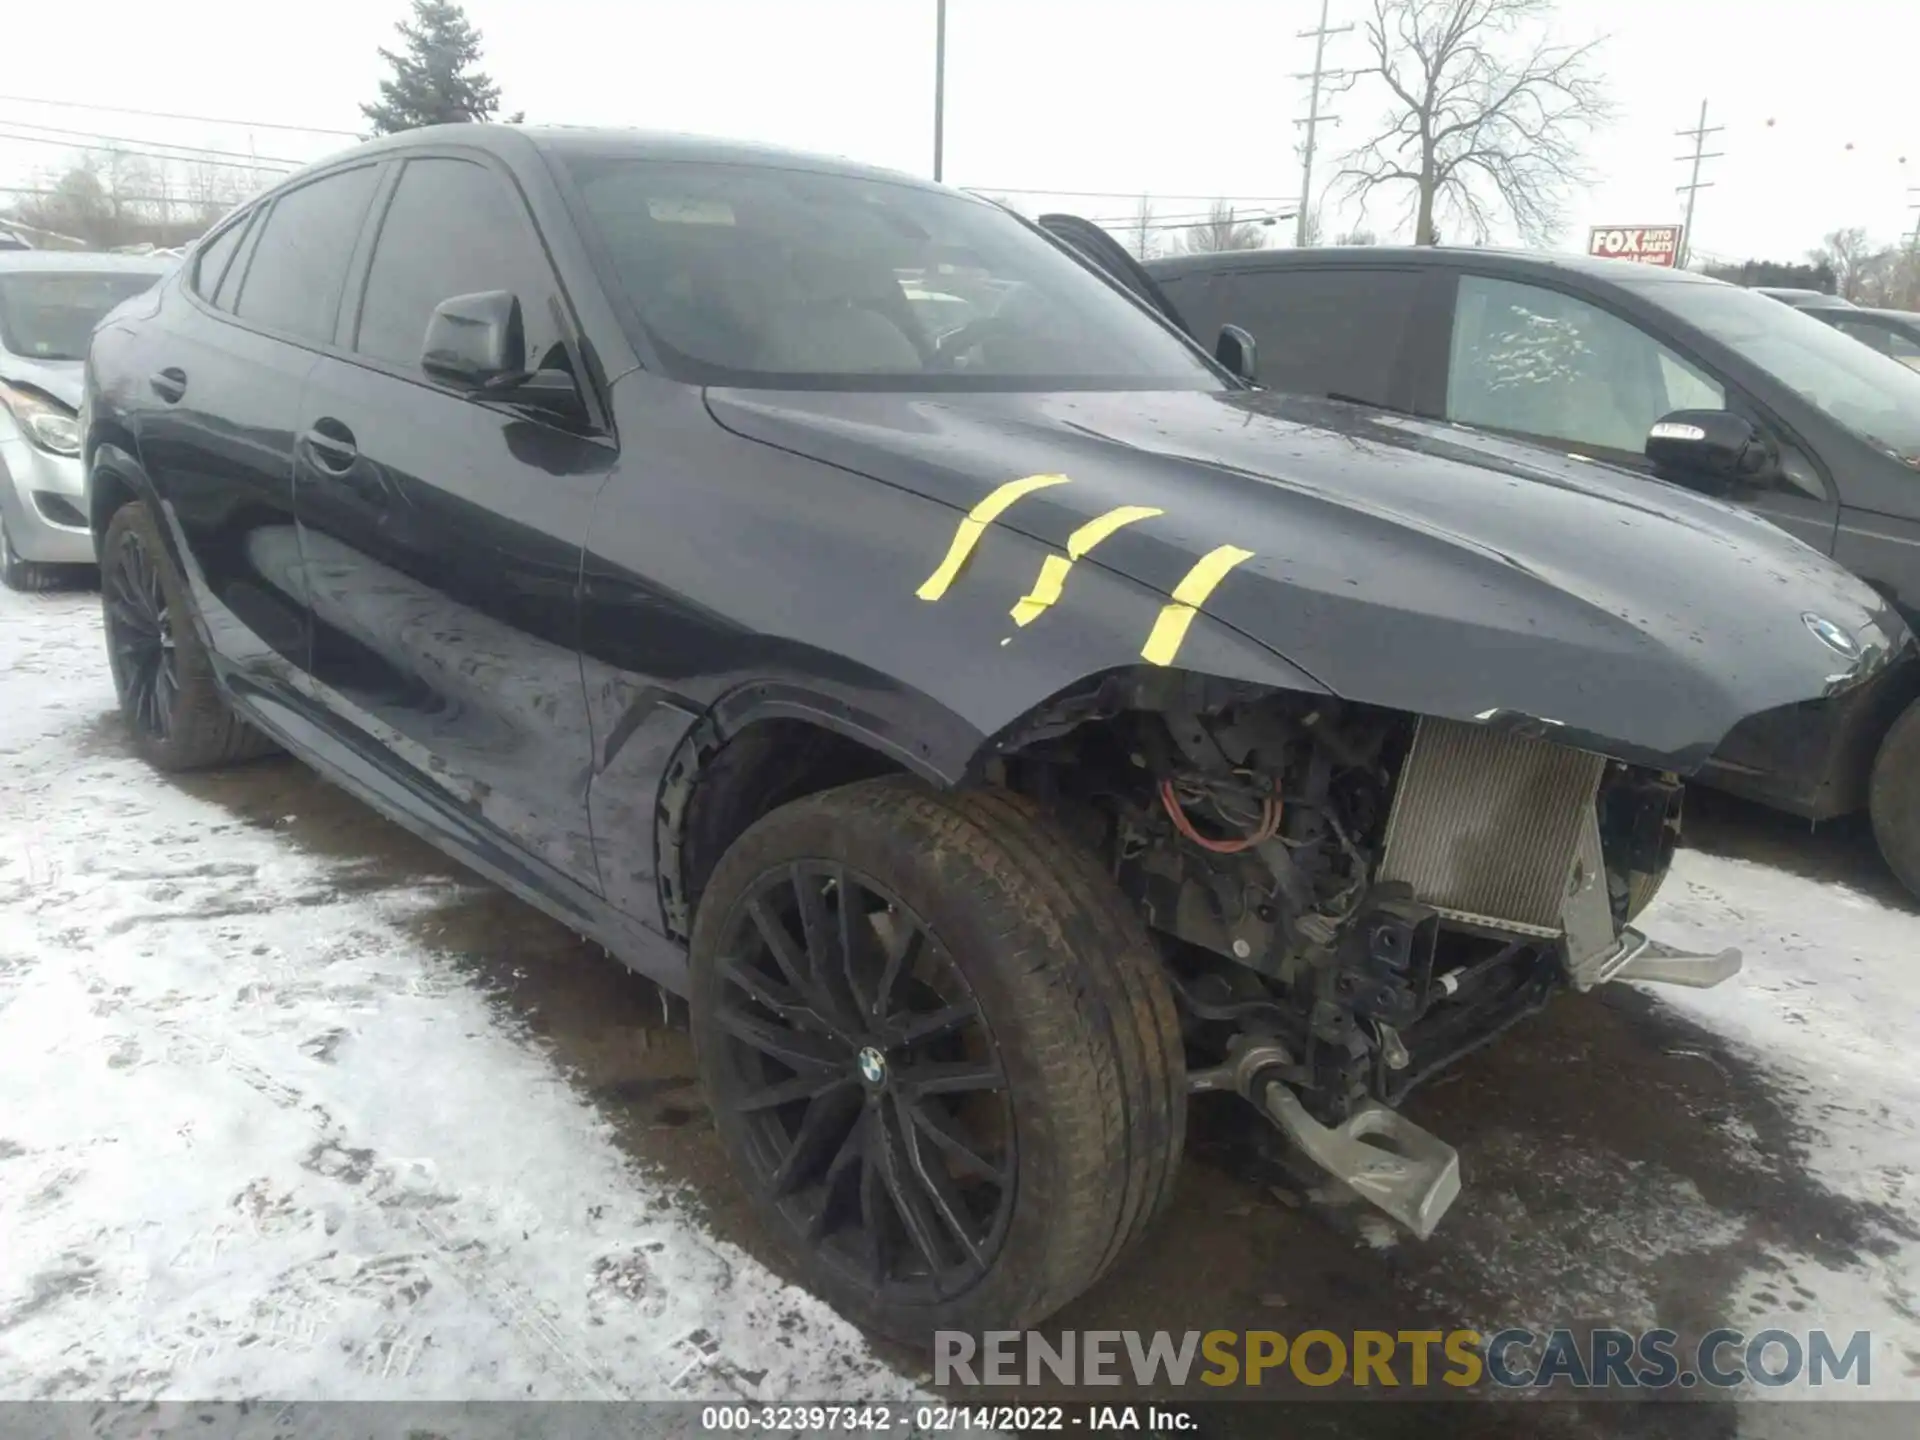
1893, 799
940, 1052
174, 710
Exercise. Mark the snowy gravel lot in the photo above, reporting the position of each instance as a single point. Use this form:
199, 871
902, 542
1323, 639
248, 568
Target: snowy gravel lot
288, 1107
256, 1138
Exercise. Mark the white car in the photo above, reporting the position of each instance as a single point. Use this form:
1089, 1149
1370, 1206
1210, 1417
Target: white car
50, 300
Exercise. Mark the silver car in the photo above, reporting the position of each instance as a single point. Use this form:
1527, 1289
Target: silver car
50, 300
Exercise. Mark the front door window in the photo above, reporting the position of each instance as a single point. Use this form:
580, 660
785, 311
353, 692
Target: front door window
1539, 362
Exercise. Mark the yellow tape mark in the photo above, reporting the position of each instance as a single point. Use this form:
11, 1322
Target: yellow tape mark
1053, 570
975, 525
1188, 596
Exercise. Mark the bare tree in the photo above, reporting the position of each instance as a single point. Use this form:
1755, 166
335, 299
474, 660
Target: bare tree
109, 199
210, 191
1222, 231
1143, 228
1485, 117
1902, 290
1851, 257
1311, 230
1359, 235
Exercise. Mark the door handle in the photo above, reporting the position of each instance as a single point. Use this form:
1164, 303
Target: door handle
169, 384
332, 446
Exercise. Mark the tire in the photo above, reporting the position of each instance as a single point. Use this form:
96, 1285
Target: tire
26, 575
1642, 887
1893, 798
175, 713
1023, 933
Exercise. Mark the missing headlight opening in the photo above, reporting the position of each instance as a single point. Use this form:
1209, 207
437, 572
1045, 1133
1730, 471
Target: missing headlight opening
1349, 898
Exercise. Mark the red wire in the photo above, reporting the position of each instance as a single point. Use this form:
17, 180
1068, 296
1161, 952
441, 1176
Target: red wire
1269, 824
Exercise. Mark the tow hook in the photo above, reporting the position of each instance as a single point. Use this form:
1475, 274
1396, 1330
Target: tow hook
1376, 1152
1634, 957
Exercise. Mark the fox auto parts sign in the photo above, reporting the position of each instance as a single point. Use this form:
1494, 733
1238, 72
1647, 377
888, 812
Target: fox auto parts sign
1647, 244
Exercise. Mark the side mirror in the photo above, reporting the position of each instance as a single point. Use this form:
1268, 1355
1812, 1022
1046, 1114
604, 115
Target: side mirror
1235, 350
552, 392
475, 341
1716, 447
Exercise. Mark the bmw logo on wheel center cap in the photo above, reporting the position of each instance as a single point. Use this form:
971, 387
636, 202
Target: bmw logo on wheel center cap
873, 1066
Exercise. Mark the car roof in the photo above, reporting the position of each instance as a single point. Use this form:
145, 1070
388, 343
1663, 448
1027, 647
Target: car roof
602, 141
1907, 318
1806, 299
1527, 262
91, 261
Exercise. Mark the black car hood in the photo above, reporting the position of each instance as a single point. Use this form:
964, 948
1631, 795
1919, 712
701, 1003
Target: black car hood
1399, 562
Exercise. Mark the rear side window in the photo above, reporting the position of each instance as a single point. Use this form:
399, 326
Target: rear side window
300, 262
1320, 332
453, 228
229, 291
213, 261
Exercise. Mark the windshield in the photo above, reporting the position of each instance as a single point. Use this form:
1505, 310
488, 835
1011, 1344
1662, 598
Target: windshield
1875, 397
774, 278
49, 315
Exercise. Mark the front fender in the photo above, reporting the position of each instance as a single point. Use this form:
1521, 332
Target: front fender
732, 581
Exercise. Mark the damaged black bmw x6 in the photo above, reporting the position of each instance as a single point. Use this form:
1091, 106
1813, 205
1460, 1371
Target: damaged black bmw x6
996, 719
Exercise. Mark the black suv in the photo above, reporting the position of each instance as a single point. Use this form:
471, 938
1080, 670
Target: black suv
1588, 356
996, 718
1894, 333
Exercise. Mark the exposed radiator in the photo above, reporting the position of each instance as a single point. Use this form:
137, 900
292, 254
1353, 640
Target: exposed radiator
1484, 826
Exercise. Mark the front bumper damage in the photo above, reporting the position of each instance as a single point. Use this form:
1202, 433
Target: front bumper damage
1495, 834
1400, 1168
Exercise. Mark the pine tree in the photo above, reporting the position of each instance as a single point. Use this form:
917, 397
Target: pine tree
433, 81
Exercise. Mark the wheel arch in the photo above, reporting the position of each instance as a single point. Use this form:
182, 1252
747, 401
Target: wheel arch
766, 744
114, 479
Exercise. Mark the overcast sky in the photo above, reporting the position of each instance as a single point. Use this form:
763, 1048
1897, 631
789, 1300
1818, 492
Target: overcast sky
1181, 98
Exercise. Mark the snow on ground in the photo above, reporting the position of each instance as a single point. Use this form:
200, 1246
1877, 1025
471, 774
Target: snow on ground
1829, 1004
255, 1139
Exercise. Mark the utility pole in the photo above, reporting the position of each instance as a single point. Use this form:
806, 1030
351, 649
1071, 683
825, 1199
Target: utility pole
1695, 184
939, 81
1312, 122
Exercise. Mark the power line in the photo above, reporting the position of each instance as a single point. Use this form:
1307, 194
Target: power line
192, 150
1197, 222
1182, 218
1166, 214
1694, 186
168, 115
124, 199
1312, 122
1117, 194
143, 154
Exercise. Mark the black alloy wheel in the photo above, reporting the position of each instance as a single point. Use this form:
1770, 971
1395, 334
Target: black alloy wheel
178, 716
940, 1052
869, 1082
140, 638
